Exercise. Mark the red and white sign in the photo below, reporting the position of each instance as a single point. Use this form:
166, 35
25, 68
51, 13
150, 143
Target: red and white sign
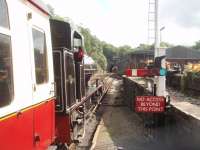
142, 72
147, 104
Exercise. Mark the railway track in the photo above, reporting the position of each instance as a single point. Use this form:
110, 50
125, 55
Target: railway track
110, 124
92, 102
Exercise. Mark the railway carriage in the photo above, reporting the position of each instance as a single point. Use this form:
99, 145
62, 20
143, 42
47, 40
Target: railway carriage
27, 110
42, 90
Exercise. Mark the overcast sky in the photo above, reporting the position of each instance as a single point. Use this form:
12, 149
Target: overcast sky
125, 22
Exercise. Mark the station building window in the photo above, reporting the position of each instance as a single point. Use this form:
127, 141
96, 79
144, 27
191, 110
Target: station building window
6, 69
40, 56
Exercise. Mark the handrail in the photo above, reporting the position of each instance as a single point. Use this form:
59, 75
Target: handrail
86, 98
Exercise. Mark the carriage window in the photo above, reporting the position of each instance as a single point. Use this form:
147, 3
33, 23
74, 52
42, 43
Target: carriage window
6, 75
4, 19
40, 56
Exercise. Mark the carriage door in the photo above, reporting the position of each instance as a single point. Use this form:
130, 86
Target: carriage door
70, 88
42, 73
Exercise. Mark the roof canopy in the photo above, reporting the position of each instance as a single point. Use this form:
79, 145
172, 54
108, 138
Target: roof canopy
181, 52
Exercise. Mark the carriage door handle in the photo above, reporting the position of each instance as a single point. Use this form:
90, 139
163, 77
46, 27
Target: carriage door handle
37, 138
53, 88
34, 87
71, 80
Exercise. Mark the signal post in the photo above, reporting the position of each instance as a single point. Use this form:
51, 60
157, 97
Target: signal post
158, 72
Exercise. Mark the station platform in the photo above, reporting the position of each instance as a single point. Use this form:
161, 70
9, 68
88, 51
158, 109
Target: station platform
121, 128
187, 105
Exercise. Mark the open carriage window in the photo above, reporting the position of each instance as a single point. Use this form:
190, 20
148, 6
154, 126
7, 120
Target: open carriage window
4, 18
40, 56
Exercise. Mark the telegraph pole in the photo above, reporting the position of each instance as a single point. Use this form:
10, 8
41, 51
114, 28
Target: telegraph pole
157, 43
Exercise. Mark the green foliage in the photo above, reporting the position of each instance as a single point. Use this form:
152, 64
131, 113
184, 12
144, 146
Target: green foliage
94, 47
197, 45
109, 50
151, 47
145, 47
103, 53
123, 50
165, 44
195, 75
100, 59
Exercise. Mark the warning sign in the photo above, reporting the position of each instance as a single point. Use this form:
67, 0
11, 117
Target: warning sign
147, 104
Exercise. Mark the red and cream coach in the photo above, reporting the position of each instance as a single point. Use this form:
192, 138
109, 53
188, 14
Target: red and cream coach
27, 108
42, 91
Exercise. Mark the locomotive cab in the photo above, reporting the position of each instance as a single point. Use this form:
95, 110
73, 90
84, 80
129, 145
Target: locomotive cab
69, 77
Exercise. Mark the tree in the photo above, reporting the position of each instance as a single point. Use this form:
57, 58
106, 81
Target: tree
123, 50
165, 44
197, 45
94, 47
145, 47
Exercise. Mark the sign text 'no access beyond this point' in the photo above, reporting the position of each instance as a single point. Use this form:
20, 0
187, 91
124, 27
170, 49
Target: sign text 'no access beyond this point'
150, 104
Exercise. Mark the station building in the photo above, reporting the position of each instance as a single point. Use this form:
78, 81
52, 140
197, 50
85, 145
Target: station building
178, 56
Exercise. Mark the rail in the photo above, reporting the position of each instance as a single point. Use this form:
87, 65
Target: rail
102, 89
